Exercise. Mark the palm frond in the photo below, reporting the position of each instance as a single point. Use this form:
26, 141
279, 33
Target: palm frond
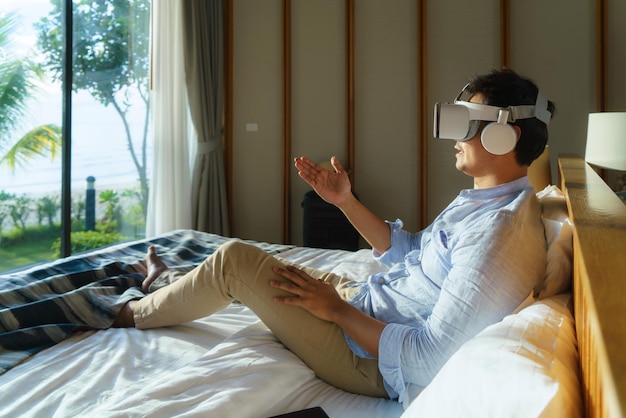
41, 141
16, 87
8, 23
17, 81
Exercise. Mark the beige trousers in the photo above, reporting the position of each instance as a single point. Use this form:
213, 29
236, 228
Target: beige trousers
241, 272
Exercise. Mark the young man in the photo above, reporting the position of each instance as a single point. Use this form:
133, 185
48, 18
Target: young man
472, 266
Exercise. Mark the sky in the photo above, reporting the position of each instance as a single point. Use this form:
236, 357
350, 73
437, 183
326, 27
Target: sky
99, 145
29, 11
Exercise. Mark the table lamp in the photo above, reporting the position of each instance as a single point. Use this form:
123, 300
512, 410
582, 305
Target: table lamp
606, 147
606, 140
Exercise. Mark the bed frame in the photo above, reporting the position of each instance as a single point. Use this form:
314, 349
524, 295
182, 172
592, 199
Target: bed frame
599, 286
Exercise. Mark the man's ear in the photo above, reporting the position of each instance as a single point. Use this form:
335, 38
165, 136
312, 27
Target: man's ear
518, 131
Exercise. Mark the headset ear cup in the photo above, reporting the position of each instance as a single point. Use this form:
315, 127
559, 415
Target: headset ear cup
498, 138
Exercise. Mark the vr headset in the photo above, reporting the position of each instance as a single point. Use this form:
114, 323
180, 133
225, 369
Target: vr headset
460, 121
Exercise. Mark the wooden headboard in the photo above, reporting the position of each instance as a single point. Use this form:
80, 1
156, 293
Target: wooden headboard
599, 286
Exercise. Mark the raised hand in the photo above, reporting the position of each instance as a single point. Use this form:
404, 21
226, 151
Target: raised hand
332, 186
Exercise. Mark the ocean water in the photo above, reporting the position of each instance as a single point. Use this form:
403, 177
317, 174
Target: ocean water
99, 149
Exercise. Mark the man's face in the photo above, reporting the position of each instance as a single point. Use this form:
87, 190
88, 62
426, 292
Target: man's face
471, 157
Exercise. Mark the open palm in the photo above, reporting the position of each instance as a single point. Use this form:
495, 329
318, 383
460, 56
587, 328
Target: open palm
332, 186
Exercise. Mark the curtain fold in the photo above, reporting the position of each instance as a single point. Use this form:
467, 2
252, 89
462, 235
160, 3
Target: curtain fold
203, 36
170, 194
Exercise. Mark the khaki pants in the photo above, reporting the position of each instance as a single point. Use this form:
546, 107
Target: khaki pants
241, 272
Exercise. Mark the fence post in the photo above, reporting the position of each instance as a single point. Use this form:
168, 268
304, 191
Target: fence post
90, 204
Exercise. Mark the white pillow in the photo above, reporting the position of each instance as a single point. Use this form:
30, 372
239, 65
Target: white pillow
524, 366
559, 237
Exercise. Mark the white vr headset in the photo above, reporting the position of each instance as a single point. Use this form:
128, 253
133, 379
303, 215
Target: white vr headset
460, 121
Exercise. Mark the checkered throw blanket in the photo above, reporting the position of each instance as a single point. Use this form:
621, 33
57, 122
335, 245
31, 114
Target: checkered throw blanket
41, 306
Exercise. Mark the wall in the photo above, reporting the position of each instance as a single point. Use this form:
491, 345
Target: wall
553, 43
616, 71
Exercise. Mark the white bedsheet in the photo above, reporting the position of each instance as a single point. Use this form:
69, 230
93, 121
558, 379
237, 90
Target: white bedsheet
226, 365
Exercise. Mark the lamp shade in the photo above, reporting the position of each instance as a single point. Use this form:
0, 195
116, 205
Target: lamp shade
606, 140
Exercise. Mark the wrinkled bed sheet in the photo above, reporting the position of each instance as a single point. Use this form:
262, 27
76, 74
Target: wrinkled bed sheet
226, 365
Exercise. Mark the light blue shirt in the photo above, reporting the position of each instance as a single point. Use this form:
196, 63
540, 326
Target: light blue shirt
477, 261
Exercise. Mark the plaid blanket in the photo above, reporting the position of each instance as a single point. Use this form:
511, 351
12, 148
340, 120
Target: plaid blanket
43, 305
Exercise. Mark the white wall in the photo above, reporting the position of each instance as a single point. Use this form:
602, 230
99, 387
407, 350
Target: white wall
257, 99
552, 42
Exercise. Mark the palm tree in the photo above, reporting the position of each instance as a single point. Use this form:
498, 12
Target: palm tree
18, 77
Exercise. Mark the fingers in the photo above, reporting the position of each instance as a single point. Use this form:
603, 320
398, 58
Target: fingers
294, 275
307, 169
305, 164
313, 295
298, 282
334, 161
295, 293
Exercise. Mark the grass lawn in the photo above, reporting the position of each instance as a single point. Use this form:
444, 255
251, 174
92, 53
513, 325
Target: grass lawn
25, 253
37, 246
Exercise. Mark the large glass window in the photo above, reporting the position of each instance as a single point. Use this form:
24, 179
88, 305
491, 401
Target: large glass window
108, 136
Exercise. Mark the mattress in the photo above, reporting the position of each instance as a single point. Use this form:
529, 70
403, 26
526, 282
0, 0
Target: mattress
225, 365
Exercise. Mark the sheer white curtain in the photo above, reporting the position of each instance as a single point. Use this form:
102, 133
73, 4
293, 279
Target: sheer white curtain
170, 187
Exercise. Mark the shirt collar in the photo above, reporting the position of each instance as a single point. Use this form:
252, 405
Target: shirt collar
514, 186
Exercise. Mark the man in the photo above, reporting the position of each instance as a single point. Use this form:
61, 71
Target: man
391, 332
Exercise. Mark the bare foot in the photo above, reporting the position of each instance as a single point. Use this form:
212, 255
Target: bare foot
155, 266
125, 318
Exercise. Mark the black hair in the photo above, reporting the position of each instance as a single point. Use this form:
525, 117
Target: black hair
504, 88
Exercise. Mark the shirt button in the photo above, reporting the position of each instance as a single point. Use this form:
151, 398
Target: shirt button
381, 280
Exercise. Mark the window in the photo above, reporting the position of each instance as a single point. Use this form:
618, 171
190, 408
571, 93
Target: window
106, 127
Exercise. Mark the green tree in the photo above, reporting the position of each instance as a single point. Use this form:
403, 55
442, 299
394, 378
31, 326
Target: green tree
18, 83
132, 217
47, 208
20, 209
78, 211
5, 209
109, 221
110, 61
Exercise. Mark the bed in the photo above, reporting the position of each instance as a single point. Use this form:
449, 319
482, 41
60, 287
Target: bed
540, 361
